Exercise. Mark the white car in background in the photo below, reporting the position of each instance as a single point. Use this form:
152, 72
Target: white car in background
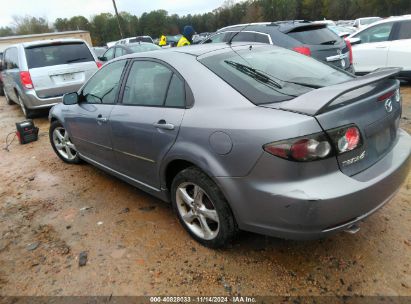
386, 43
361, 23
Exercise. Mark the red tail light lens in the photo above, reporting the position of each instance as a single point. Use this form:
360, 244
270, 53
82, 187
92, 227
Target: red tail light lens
346, 138
348, 43
99, 64
303, 50
307, 148
26, 80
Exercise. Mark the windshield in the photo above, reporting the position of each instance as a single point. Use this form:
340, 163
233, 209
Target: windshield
270, 74
57, 53
138, 48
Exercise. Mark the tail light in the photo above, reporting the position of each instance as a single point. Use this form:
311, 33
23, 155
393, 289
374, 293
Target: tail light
99, 64
348, 43
26, 80
346, 138
303, 50
307, 148
317, 146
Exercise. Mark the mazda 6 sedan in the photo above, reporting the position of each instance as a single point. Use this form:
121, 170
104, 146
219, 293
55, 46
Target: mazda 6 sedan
242, 137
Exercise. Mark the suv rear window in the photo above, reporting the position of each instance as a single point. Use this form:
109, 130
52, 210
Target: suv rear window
267, 74
59, 53
314, 35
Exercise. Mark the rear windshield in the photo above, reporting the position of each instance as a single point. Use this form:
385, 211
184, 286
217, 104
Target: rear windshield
55, 54
315, 36
267, 74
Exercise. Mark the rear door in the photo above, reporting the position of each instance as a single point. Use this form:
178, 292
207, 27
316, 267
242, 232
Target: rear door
88, 122
11, 72
372, 52
399, 52
146, 123
59, 67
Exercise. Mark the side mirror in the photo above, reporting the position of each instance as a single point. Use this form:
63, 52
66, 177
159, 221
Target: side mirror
354, 41
102, 58
70, 98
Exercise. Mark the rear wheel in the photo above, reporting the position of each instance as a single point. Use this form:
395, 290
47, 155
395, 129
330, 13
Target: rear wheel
8, 100
27, 112
202, 208
62, 145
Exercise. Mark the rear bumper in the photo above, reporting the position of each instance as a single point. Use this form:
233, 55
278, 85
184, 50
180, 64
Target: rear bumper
310, 208
33, 102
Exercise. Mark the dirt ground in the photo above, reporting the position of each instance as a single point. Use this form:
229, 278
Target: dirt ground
50, 212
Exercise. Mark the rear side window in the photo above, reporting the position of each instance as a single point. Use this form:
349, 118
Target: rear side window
147, 84
55, 54
11, 59
405, 30
315, 36
176, 93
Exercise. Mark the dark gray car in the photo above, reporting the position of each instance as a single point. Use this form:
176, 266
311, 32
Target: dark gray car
247, 136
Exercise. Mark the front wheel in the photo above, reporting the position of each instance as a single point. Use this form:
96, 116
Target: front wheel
62, 145
202, 208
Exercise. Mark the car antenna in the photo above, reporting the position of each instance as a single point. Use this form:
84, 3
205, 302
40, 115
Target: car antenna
242, 29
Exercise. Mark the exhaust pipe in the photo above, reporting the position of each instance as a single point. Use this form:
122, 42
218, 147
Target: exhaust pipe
353, 229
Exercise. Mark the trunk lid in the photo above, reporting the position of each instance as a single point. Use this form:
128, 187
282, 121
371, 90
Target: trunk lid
368, 102
59, 67
52, 81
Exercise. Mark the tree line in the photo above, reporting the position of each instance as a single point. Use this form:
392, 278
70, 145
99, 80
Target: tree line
103, 27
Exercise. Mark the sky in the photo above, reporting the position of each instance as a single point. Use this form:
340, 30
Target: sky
52, 9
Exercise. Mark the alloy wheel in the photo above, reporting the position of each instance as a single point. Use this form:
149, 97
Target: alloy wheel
63, 144
197, 210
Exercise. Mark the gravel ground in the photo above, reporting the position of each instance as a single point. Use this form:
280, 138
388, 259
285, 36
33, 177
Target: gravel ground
51, 213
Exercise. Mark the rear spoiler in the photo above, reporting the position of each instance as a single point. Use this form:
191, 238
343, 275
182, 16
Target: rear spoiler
315, 101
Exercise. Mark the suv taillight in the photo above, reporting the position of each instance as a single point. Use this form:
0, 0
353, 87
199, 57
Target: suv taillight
306, 148
348, 43
26, 80
303, 50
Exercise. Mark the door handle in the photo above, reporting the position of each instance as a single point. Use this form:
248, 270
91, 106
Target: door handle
101, 119
162, 124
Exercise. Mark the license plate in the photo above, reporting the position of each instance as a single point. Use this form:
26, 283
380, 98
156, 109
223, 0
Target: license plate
68, 77
382, 140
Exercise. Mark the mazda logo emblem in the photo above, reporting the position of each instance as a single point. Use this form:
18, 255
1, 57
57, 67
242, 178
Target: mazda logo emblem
388, 105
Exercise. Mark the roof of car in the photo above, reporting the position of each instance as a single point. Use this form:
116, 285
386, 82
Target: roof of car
50, 41
284, 26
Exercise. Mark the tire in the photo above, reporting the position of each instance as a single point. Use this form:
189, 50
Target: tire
208, 208
2, 92
62, 144
8, 100
26, 112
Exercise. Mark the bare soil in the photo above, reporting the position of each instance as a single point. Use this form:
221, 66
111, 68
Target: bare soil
50, 212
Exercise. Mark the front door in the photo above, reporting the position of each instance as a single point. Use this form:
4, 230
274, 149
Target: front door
88, 122
145, 124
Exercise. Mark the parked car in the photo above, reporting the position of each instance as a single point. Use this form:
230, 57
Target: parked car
172, 40
282, 145
386, 43
308, 38
147, 39
364, 22
99, 51
200, 37
341, 31
1, 79
36, 74
120, 50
